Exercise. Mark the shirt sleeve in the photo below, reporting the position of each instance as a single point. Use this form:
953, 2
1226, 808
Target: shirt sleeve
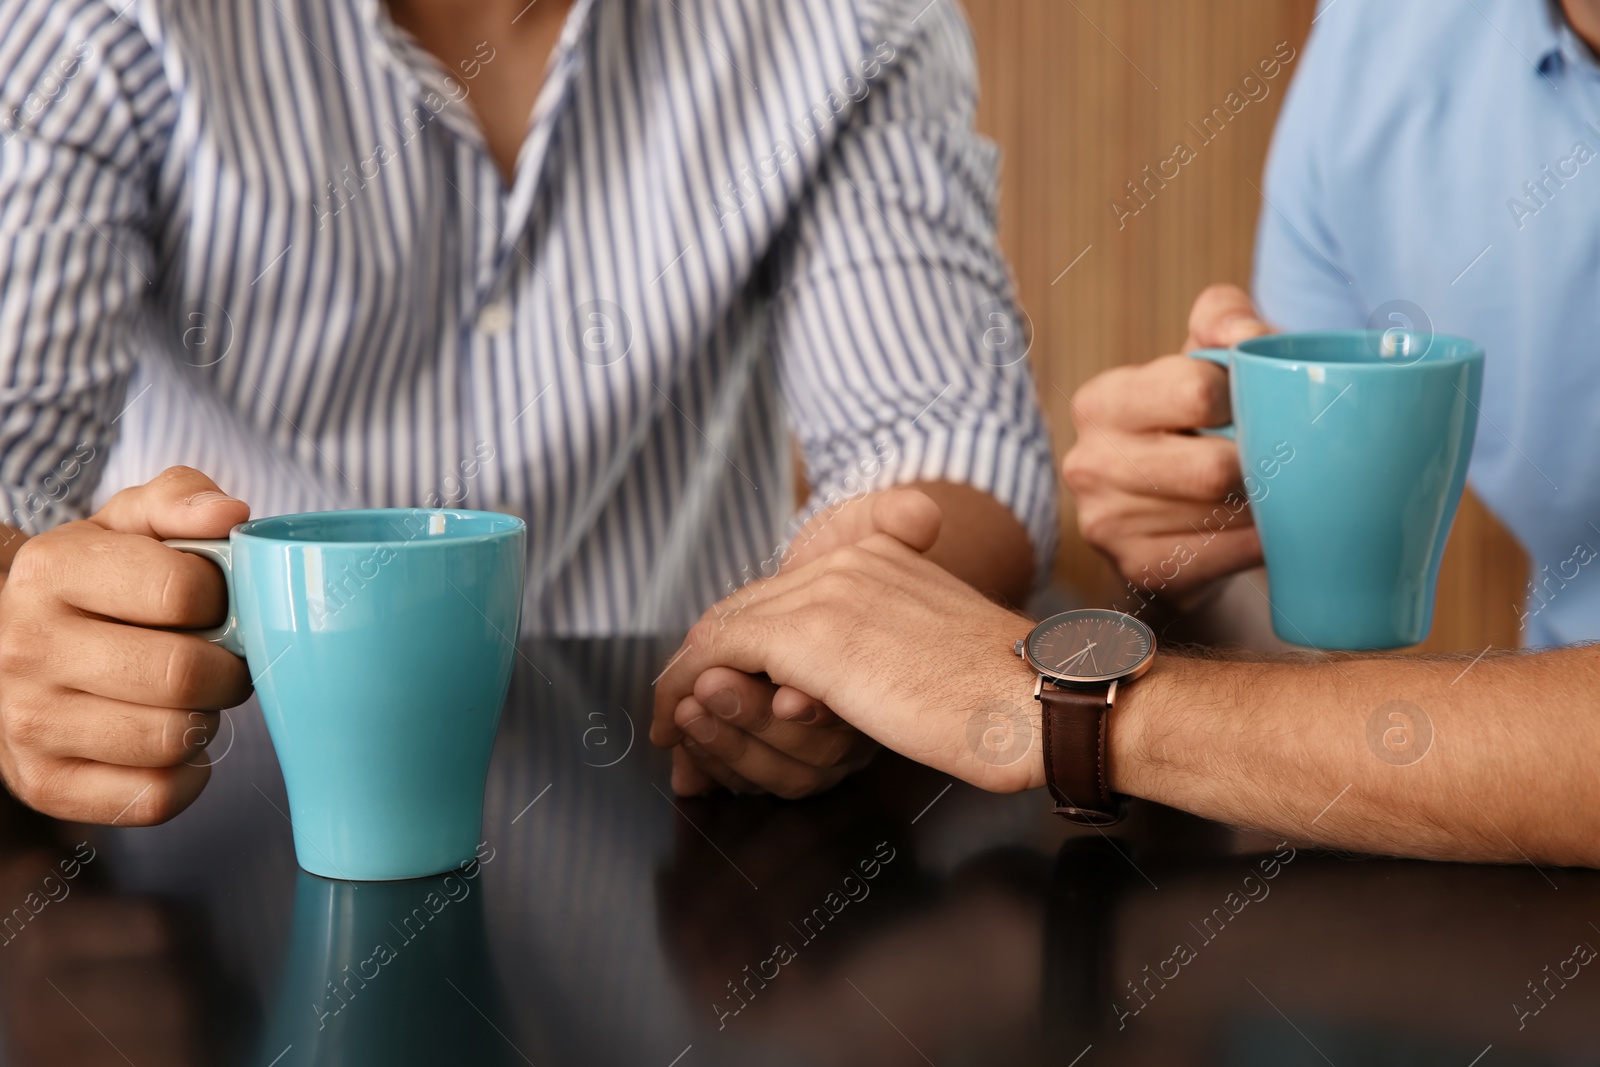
902, 352
75, 260
1301, 279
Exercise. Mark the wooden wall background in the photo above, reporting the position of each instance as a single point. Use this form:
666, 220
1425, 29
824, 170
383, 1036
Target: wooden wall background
1081, 95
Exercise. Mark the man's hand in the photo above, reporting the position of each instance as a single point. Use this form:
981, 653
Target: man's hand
744, 733
895, 645
908, 515
102, 716
1145, 483
750, 735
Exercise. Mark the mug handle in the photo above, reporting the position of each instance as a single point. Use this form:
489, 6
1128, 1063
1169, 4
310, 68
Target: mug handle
1222, 357
220, 552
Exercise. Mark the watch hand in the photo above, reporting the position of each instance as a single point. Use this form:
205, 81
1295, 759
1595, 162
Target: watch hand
1082, 651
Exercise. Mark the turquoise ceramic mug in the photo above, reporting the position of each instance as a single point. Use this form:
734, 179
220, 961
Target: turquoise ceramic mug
1354, 447
380, 644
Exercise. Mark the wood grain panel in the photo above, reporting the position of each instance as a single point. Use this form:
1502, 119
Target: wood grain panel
1082, 95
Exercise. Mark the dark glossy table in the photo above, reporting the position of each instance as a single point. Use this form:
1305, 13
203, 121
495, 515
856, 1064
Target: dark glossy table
900, 919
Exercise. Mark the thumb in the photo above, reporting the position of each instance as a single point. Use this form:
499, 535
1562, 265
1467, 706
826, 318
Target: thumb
909, 516
1222, 316
178, 502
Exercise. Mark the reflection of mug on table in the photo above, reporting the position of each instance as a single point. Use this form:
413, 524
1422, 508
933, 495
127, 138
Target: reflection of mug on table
380, 644
390, 974
1357, 443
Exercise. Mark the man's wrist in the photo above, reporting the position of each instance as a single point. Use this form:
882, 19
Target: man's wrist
1128, 723
1034, 763
1001, 750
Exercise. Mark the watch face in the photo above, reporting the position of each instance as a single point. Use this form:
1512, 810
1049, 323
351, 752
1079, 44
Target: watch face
1090, 646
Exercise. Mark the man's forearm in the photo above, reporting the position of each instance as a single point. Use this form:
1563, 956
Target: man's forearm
1493, 760
1487, 759
981, 542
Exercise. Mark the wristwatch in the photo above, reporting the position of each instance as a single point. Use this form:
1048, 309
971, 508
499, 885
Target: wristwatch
1081, 658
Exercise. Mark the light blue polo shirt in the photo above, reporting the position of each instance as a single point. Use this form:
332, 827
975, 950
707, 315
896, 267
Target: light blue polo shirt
1447, 154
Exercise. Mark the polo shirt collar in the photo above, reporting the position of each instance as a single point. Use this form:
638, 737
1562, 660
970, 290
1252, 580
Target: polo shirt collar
1543, 34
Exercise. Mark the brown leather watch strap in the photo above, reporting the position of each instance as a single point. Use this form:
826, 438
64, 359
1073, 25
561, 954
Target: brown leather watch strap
1074, 731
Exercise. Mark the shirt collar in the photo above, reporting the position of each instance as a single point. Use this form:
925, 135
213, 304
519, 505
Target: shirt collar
397, 46
423, 74
1544, 36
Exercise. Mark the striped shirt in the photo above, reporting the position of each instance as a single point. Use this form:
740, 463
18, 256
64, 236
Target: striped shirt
265, 238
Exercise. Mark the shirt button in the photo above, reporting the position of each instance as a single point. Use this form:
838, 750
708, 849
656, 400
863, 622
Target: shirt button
494, 319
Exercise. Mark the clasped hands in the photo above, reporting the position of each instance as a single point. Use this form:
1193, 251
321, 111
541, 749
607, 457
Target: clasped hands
859, 640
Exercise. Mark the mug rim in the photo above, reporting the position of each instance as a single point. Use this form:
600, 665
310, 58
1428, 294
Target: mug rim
1472, 351
516, 525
